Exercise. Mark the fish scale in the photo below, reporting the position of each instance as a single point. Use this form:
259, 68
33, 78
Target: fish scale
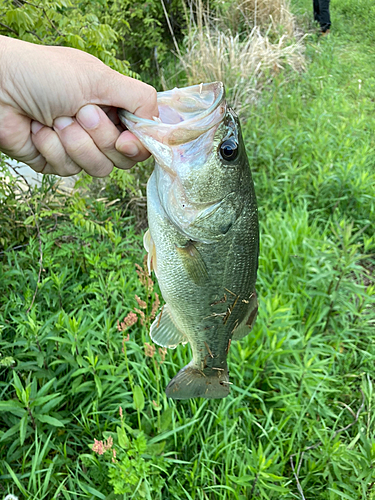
203, 237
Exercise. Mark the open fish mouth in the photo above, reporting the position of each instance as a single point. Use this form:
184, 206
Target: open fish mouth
184, 115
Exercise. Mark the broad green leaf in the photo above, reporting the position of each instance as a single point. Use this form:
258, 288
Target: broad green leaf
47, 419
139, 400
10, 405
15, 479
42, 400
98, 384
10, 432
166, 419
123, 440
18, 385
51, 404
23, 427
341, 494
156, 448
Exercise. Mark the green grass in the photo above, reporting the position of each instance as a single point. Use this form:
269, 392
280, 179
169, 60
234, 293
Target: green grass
303, 380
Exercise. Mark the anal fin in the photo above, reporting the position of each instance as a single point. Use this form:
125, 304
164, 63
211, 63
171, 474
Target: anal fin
164, 331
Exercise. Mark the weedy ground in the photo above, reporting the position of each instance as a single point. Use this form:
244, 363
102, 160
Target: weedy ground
82, 408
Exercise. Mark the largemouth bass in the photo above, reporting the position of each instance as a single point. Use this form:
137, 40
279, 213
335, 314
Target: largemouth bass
203, 235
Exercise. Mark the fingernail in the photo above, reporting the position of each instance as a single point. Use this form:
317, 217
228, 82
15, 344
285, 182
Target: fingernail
36, 126
129, 149
62, 122
88, 116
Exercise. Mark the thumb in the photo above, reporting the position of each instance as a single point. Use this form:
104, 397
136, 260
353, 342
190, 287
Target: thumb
114, 89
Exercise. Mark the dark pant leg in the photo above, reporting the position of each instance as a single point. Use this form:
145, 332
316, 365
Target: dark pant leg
324, 17
316, 10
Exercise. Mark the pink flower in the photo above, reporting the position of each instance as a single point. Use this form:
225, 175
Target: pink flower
145, 280
155, 306
120, 411
98, 447
108, 444
142, 304
124, 339
141, 314
149, 350
130, 320
162, 352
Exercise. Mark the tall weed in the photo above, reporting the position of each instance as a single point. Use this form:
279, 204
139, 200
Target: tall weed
245, 60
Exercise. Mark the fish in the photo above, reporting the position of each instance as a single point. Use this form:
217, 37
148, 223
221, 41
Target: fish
203, 235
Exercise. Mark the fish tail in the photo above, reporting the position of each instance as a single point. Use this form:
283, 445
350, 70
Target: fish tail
191, 382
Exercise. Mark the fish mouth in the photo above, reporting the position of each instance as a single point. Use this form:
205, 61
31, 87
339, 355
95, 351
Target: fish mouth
184, 115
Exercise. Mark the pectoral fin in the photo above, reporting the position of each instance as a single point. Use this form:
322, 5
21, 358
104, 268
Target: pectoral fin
193, 263
245, 327
149, 245
164, 331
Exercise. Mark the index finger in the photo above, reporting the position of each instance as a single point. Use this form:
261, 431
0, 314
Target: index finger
124, 92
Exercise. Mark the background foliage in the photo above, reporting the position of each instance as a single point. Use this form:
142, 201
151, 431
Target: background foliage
83, 412
128, 35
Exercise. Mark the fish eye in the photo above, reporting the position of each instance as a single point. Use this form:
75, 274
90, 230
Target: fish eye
229, 150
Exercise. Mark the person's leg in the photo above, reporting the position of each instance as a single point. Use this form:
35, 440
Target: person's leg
316, 10
324, 17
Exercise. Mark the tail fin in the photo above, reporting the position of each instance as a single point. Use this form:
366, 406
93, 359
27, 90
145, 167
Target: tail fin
193, 383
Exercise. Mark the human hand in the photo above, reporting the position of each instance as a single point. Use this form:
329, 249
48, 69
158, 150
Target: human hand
58, 110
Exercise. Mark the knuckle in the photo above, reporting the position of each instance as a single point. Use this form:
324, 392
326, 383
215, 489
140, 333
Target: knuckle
106, 144
70, 170
38, 165
101, 170
79, 149
46, 144
151, 92
150, 95
125, 163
